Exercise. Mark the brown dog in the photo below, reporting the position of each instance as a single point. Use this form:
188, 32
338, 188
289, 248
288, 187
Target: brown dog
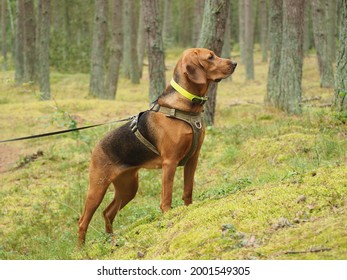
169, 134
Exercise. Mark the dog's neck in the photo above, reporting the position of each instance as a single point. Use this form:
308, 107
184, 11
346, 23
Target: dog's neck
173, 99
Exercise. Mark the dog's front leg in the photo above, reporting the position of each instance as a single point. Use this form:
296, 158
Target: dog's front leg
189, 171
169, 169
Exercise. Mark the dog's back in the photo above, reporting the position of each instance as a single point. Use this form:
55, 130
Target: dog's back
123, 147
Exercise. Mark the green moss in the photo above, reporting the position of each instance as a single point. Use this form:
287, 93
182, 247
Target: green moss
256, 216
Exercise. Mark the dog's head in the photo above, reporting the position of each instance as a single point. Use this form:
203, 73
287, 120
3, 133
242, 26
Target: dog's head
202, 66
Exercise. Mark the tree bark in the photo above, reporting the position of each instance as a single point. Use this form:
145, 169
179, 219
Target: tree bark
212, 37
3, 35
29, 41
155, 49
340, 96
321, 43
263, 30
167, 23
97, 74
275, 44
116, 50
249, 63
226, 50
331, 16
141, 42
242, 30
290, 73
12, 28
19, 54
307, 28
130, 42
43, 48
197, 20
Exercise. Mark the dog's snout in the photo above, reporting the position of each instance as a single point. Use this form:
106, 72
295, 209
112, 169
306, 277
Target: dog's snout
233, 64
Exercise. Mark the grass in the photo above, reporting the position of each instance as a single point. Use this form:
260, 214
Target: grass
268, 185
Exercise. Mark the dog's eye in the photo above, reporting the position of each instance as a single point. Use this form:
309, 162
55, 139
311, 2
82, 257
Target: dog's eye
211, 57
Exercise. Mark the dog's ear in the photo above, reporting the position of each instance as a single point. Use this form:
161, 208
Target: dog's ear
193, 69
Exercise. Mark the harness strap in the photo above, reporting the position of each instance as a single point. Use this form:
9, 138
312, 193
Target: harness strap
139, 135
144, 141
195, 122
193, 119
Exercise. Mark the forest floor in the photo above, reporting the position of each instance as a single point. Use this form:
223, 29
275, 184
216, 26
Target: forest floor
268, 185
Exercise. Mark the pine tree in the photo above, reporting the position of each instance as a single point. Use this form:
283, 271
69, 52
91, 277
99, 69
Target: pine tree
19, 53
43, 47
321, 43
275, 44
290, 72
340, 97
97, 74
116, 50
155, 48
130, 25
249, 62
29, 41
3, 35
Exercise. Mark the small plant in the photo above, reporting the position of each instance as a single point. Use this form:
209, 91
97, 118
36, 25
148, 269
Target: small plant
61, 118
228, 188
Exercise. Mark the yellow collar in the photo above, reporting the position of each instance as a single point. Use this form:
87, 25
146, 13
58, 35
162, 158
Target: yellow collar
194, 98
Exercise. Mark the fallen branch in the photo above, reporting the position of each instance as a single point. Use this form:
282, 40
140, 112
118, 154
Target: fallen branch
244, 102
313, 250
314, 98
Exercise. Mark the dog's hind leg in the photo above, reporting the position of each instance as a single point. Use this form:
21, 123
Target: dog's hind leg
126, 185
100, 177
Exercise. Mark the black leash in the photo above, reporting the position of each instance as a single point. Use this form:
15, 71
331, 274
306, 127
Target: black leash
63, 131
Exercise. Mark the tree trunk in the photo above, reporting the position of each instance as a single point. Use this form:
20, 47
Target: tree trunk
242, 30
126, 40
130, 42
212, 37
340, 97
290, 74
116, 49
197, 20
141, 43
29, 41
3, 35
155, 49
263, 30
226, 50
12, 28
321, 43
19, 54
185, 23
97, 74
249, 64
167, 23
331, 16
307, 28
43, 48
275, 44
134, 66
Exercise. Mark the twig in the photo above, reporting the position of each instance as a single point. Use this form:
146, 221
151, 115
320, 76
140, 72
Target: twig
243, 102
311, 99
313, 250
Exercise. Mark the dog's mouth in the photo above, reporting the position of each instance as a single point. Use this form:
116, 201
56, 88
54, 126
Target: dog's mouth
217, 80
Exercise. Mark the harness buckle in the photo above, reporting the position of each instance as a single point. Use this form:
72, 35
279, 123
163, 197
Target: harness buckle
172, 112
133, 124
200, 100
155, 107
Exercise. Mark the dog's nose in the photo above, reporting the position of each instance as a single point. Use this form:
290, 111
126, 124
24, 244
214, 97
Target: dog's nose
234, 64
